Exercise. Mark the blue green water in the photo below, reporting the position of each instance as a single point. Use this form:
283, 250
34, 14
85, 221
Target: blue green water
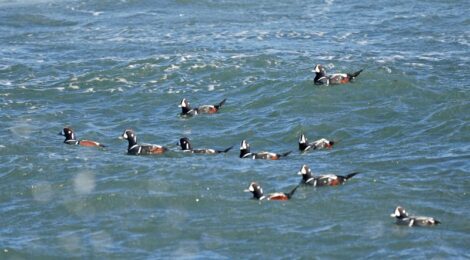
104, 66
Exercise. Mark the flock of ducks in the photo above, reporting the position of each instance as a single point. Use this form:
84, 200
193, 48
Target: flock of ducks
308, 179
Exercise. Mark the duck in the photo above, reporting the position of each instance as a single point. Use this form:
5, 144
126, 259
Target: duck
186, 109
71, 139
402, 218
245, 153
140, 149
258, 194
322, 180
322, 143
187, 147
321, 78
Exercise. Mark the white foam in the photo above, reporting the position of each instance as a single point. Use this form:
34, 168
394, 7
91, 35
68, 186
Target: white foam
73, 86
121, 80
198, 66
172, 67
240, 56
6, 82
391, 58
418, 65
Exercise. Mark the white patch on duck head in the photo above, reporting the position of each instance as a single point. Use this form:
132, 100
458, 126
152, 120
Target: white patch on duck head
399, 212
186, 144
68, 132
302, 139
317, 68
127, 134
251, 188
124, 135
304, 170
184, 103
244, 145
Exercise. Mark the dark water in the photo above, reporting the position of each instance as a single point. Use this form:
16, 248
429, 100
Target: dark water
104, 66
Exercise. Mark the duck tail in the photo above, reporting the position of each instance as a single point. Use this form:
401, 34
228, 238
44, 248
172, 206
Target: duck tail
286, 154
221, 103
102, 145
291, 193
349, 176
355, 74
226, 150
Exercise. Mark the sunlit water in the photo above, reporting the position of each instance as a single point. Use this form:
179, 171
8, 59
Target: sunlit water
104, 66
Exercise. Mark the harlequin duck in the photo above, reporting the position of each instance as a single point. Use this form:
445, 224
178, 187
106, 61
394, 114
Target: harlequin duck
71, 139
304, 145
258, 193
143, 149
186, 109
245, 153
403, 218
323, 180
187, 147
321, 78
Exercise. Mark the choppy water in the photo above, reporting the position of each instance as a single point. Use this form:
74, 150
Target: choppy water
103, 66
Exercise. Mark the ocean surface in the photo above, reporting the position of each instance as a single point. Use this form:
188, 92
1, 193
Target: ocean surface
102, 66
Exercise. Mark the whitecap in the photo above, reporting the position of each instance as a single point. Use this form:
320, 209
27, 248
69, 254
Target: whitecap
391, 58
122, 80
99, 79
73, 86
6, 83
363, 42
240, 34
197, 66
172, 68
418, 65
330, 57
343, 36
171, 91
387, 69
240, 56
112, 90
